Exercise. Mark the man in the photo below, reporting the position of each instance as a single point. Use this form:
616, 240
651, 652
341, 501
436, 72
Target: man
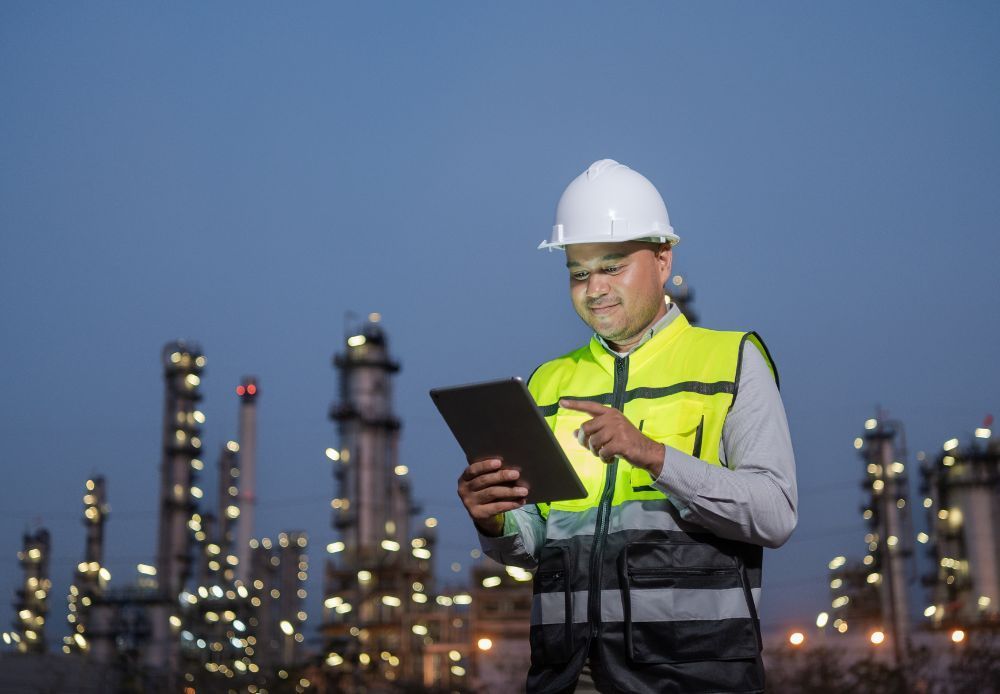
651, 582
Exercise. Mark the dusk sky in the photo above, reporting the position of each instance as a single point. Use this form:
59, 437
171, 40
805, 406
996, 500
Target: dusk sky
244, 174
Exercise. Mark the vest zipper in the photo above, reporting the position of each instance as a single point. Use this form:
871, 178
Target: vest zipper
604, 510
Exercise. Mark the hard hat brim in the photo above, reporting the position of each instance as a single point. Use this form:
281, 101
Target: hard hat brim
671, 238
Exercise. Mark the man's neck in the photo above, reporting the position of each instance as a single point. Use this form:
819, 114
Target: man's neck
629, 343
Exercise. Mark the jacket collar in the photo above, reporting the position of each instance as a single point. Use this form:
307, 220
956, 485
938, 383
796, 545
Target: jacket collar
661, 333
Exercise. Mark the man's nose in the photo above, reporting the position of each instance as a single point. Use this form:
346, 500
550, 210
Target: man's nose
597, 286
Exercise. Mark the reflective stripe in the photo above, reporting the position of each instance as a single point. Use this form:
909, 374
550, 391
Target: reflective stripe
565, 525
550, 608
602, 399
648, 514
648, 393
686, 387
679, 604
649, 605
651, 514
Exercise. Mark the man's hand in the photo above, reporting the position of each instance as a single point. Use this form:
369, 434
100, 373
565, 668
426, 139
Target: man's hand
487, 492
610, 434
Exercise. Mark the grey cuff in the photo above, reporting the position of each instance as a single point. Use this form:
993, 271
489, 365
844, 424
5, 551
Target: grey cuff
681, 478
504, 544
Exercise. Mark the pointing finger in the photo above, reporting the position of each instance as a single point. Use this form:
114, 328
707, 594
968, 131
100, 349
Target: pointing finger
583, 406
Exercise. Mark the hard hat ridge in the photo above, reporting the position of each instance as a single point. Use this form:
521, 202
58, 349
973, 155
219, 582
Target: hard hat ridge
600, 166
609, 202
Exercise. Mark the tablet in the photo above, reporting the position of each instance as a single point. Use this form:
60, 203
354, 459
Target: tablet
499, 419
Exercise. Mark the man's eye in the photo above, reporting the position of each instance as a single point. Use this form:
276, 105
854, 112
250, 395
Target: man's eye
579, 276
613, 270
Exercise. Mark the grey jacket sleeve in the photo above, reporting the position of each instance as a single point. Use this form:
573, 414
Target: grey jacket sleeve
753, 498
522, 538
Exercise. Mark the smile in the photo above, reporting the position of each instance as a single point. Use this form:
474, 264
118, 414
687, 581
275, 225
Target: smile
599, 310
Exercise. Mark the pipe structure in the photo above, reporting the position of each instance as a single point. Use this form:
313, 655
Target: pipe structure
247, 392
229, 505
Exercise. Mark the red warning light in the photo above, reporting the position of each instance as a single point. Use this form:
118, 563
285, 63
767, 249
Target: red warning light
252, 389
988, 420
240, 390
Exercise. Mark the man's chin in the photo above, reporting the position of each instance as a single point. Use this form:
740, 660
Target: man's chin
616, 333
610, 335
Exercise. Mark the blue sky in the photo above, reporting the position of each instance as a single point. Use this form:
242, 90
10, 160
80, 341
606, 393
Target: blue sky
244, 174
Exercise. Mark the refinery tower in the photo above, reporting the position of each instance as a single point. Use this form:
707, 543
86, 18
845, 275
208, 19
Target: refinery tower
872, 595
383, 623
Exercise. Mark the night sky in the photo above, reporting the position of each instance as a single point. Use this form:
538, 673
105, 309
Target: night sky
244, 174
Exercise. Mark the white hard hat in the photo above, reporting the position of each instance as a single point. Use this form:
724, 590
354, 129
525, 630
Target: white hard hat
610, 202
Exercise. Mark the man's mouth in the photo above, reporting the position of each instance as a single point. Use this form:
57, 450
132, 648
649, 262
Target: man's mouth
604, 308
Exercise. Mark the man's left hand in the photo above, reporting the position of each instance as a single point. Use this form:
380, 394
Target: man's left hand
609, 434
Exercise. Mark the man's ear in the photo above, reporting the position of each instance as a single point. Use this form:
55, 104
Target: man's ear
664, 261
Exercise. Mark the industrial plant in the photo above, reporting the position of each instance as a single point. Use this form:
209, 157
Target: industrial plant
222, 609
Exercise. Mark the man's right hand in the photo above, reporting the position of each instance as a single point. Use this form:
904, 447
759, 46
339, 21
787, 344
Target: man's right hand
487, 492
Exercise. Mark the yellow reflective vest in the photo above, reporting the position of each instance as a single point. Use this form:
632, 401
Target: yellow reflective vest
657, 602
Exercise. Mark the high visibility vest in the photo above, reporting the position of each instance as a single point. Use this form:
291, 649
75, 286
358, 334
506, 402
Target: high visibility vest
661, 603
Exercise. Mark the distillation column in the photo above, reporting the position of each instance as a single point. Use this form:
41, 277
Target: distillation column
892, 525
964, 514
368, 435
32, 603
182, 367
978, 498
88, 582
377, 580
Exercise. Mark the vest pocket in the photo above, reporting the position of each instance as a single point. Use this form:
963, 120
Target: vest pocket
679, 424
676, 612
675, 423
551, 633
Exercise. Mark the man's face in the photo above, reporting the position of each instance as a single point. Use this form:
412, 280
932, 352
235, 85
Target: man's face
617, 288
